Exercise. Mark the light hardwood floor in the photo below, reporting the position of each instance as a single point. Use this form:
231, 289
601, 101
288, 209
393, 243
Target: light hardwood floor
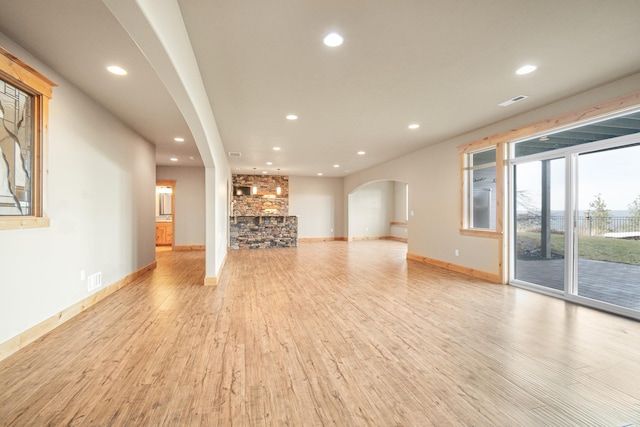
330, 333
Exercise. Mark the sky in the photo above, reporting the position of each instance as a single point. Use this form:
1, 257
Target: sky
615, 174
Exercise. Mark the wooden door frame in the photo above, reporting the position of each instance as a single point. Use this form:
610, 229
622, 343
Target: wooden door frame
172, 184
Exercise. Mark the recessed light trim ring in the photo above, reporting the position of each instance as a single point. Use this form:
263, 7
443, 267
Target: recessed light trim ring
117, 70
333, 39
526, 69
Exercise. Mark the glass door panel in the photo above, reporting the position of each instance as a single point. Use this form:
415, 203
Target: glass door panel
608, 226
539, 194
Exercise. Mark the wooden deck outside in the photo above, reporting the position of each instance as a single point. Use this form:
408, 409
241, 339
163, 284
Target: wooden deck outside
331, 333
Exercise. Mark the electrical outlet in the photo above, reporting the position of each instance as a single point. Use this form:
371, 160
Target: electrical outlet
83, 275
457, 252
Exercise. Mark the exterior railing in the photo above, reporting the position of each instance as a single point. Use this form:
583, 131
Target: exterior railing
587, 225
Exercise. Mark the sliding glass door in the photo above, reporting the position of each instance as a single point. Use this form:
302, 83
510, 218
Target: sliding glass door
575, 214
539, 194
608, 226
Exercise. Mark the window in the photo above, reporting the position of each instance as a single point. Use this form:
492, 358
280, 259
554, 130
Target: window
24, 95
482, 185
480, 190
17, 149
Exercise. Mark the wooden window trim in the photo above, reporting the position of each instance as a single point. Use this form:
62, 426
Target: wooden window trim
619, 104
30, 81
501, 163
16, 222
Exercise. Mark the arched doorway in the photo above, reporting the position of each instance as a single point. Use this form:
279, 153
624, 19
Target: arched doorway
379, 210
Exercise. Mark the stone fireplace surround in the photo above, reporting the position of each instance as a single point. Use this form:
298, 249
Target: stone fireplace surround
256, 232
261, 220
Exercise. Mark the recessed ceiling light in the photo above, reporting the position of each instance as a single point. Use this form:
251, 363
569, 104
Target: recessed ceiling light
178, 139
264, 171
361, 153
526, 69
292, 117
276, 148
336, 166
114, 69
269, 163
414, 126
191, 158
174, 159
319, 173
333, 39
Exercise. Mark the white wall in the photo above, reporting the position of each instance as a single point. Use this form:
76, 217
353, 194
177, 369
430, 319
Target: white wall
399, 210
434, 184
190, 203
400, 201
99, 183
371, 209
319, 204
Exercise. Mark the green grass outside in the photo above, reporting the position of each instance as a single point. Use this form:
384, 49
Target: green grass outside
595, 248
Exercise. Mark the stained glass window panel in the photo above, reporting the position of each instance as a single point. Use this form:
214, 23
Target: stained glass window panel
16, 151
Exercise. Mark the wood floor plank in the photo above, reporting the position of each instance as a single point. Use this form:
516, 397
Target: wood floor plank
330, 333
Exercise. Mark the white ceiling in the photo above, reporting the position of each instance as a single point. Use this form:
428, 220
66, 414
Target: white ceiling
440, 63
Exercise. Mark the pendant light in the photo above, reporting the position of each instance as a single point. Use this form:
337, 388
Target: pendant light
254, 189
278, 188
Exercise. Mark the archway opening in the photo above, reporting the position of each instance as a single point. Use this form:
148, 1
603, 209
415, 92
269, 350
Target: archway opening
379, 210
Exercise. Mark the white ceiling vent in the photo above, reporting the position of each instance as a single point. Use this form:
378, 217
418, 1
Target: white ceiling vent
234, 154
513, 100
